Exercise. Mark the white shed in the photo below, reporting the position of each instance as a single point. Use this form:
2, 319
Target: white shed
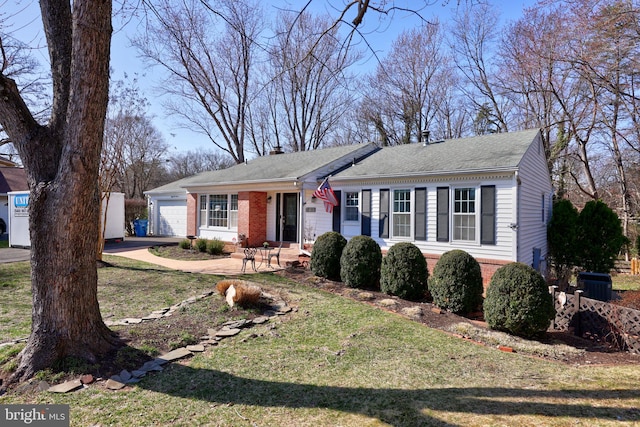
19, 218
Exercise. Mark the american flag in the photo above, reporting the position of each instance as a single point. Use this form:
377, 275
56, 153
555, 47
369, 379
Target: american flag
326, 194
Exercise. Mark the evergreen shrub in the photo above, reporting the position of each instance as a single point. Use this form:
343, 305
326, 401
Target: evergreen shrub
360, 263
325, 257
404, 272
518, 301
456, 282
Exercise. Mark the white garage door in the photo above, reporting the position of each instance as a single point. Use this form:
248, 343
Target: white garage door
172, 218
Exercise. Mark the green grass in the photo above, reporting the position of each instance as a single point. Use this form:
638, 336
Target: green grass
4, 244
335, 361
625, 282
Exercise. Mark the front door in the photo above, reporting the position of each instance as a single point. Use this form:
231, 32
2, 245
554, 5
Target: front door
289, 217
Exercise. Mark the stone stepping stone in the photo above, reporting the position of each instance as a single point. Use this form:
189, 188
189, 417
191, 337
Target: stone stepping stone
138, 373
178, 353
66, 387
223, 333
131, 320
197, 348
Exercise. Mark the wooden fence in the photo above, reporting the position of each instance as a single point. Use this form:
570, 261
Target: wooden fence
611, 323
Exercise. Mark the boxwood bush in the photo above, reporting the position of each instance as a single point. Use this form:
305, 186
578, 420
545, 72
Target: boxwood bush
404, 272
518, 301
360, 263
325, 257
456, 282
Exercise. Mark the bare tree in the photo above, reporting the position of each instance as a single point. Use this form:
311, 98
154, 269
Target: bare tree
311, 82
473, 38
182, 165
210, 72
411, 89
61, 159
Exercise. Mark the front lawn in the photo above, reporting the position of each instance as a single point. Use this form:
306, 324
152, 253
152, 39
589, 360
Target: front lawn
332, 361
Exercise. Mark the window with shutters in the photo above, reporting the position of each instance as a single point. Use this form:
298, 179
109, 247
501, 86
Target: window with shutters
464, 214
401, 214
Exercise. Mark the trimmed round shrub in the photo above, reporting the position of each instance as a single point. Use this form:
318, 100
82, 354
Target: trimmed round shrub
201, 245
518, 301
185, 244
404, 272
325, 257
215, 247
456, 282
360, 263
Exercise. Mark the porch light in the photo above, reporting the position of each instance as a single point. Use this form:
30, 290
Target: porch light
269, 199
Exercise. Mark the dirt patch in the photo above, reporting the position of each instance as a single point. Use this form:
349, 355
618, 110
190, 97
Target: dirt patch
594, 352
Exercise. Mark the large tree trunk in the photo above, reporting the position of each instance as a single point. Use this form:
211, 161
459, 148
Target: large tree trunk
61, 160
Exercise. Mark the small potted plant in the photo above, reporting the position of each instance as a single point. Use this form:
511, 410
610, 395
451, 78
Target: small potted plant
265, 245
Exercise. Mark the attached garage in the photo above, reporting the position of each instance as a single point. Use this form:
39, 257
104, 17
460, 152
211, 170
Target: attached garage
167, 208
171, 218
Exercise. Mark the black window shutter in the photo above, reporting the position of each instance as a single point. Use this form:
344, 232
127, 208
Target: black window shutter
442, 219
421, 214
365, 213
336, 212
488, 215
384, 213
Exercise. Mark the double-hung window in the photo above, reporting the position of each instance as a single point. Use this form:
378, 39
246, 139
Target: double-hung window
401, 214
219, 210
464, 214
351, 206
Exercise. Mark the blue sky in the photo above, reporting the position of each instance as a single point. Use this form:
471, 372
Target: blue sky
25, 14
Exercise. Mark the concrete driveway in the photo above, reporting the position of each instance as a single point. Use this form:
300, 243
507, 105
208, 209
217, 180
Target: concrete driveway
129, 244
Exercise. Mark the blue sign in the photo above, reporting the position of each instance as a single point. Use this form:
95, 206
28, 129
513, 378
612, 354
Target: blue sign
21, 200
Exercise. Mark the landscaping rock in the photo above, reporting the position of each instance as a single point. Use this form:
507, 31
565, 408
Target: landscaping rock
87, 379
66, 387
178, 353
388, 302
260, 320
114, 384
224, 333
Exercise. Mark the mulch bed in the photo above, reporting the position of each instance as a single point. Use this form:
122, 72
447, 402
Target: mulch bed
596, 352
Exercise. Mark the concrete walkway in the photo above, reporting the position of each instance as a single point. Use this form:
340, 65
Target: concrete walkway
137, 248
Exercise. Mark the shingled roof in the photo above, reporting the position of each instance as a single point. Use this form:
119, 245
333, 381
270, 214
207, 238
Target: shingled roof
281, 167
495, 152
13, 179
